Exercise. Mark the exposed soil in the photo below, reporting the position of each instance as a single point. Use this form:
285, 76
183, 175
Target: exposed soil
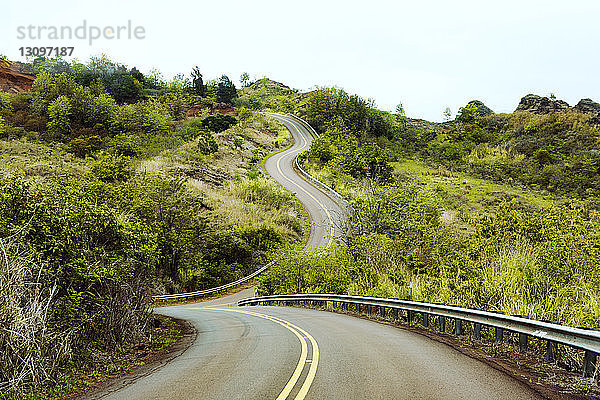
215, 108
14, 78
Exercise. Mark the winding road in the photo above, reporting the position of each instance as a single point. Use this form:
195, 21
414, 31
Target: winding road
279, 353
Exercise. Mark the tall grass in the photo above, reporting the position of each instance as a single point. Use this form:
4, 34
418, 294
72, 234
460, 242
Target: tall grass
29, 352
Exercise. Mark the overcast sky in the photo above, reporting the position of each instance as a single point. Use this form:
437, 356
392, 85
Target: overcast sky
427, 54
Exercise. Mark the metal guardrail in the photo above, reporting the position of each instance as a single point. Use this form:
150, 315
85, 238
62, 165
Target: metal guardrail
245, 279
213, 290
337, 197
587, 340
331, 192
306, 125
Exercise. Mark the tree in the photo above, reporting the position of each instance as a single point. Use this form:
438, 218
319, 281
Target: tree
226, 90
328, 107
468, 114
197, 82
59, 112
245, 79
447, 114
137, 75
400, 110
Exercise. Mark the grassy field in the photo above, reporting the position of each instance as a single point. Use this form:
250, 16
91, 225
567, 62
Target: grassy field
467, 193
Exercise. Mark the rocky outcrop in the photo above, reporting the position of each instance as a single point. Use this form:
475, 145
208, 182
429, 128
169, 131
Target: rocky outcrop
541, 105
482, 109
15, 77
588, 106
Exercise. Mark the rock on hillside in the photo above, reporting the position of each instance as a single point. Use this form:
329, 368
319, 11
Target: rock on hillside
588, 106
15, 77
482, 109
541, 105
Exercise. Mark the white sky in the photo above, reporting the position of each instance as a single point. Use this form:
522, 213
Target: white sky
427, 54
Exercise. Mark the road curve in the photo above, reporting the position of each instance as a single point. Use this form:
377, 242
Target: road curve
326, 215
245, 356
282, 353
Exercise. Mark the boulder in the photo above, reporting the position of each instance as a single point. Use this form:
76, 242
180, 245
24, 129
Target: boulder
541, 105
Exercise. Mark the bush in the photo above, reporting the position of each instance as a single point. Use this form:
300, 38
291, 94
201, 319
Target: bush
2, 127
111, 168
59, 113
218, 123
207, 143
81, 290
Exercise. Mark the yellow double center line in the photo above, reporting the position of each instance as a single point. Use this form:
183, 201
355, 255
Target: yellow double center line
302, 335
304, 146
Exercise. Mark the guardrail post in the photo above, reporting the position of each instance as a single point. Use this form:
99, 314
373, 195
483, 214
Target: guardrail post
523, 342
345, 306
477, 331
369, 311
499, 331
442, 323
523, 338
333, 305
550, 346
409, 316
382, 311
549, 351
589, 364
499, 335
457, 327
426, 320
395, 314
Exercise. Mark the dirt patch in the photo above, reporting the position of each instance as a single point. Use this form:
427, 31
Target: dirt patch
215, 108
14, 78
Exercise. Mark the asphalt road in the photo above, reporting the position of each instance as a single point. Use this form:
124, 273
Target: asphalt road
254, 352
325, 214
282, 353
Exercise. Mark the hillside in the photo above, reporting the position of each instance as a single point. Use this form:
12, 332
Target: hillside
116, 185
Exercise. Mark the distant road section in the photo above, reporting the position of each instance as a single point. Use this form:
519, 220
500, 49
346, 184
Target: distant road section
326, 215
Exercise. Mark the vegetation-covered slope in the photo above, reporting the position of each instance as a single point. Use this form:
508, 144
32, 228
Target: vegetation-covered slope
499, 243
108, 194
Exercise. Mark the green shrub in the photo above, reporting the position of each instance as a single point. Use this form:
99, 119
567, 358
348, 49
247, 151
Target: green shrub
207, 143
85, 145
111, 168
218, 122
2, 127
59, 113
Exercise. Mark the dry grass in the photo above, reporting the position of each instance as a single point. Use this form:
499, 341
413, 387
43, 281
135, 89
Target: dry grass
29, 353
